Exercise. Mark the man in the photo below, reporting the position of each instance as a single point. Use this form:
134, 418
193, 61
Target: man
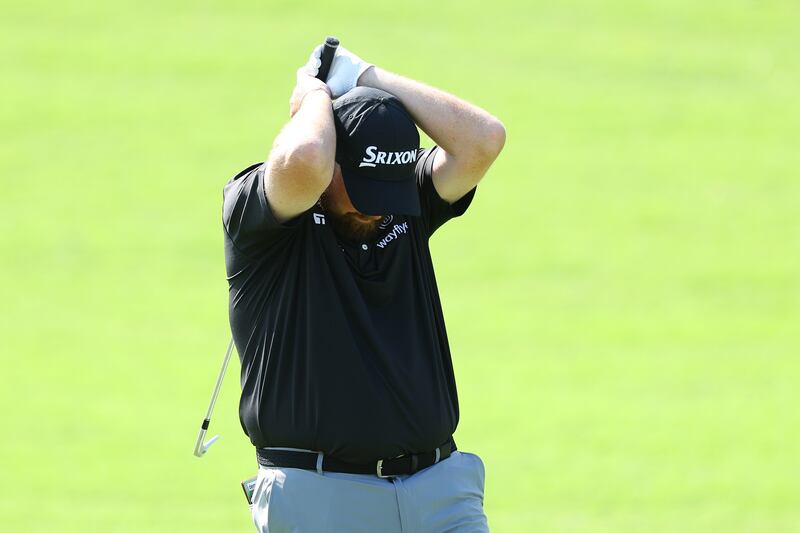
348, 391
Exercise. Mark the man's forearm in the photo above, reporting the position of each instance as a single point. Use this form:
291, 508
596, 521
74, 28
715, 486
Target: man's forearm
309, 139
459, 127
300, 165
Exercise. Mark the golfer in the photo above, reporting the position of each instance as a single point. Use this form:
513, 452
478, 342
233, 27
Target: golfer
348, 392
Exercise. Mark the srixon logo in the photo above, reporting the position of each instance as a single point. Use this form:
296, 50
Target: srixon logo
373, 157
397, 230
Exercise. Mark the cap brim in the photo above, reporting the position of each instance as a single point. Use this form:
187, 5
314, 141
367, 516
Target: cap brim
375, 197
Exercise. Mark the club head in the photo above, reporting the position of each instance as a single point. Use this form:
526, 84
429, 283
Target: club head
200, 447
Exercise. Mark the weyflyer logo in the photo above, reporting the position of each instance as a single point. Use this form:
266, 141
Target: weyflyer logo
397, 231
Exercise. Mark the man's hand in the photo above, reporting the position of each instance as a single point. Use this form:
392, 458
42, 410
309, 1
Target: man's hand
305, 84
345, 71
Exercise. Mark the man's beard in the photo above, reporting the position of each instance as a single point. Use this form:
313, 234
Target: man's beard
351, 226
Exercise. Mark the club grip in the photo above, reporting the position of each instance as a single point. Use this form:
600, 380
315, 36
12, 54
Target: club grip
326, 57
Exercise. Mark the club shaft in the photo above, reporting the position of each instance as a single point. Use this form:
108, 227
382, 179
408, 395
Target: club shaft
218, 386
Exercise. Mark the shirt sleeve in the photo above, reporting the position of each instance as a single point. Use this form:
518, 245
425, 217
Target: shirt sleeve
435, 210
246, 215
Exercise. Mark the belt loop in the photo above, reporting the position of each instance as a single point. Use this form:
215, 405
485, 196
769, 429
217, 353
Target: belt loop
319, 462
438, 456
414, 463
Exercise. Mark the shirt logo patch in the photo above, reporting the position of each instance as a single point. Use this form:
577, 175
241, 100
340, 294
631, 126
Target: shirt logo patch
397, 231
373, 157
386, 221
319, 218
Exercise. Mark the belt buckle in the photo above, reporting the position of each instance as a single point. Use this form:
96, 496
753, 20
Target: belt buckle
379, 470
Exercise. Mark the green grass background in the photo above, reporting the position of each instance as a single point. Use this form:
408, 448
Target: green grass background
623, 298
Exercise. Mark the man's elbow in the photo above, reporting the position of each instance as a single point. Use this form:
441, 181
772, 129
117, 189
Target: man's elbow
310, 159
494, 138
489, 140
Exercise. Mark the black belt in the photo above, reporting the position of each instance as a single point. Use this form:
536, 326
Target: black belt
384, 468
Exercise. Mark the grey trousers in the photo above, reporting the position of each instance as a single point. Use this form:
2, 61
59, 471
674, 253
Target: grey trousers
444, 498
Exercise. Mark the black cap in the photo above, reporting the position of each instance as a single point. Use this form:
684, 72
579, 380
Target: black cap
377, 144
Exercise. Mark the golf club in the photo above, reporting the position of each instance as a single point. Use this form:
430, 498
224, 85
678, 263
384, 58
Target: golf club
200, 447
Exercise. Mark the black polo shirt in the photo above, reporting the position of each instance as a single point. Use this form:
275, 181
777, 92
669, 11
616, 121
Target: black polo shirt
343, 345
